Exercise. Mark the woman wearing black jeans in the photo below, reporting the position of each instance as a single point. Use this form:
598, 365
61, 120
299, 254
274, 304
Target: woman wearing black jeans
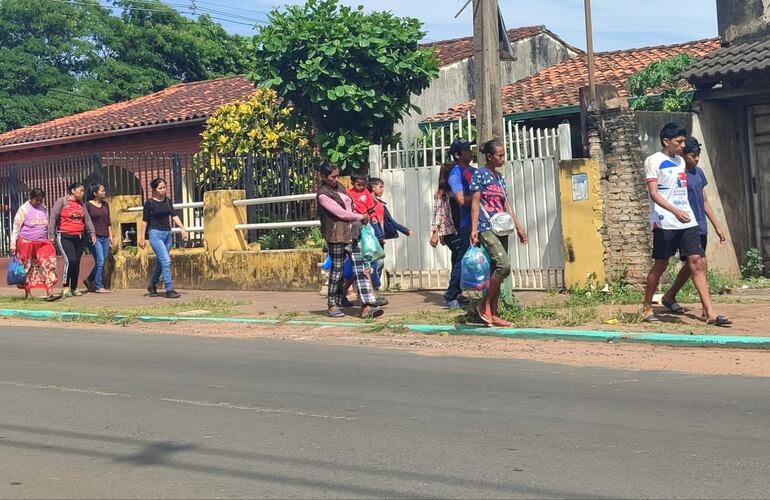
68, 228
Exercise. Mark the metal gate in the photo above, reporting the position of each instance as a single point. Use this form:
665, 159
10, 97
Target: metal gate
531, 172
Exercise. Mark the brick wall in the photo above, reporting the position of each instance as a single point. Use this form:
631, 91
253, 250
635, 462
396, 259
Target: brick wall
613, 140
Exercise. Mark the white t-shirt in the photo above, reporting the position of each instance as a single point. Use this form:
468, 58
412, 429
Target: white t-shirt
671, 176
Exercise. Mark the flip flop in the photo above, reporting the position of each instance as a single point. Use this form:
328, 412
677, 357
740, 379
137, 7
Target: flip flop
483, 318
674, 307
652, 318
336, 314
719, 321
373, 312
52, 298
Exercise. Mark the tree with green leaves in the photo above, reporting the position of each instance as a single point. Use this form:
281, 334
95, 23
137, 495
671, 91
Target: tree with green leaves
658, 87
350, 72
62, 57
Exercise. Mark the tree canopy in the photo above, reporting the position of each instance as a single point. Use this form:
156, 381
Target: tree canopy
60, 57
350, 72
658, 87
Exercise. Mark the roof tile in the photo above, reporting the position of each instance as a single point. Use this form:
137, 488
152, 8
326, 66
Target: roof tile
558, 86
451, 51
178, 103
736, 59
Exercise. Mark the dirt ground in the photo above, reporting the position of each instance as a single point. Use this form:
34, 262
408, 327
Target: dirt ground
638, 357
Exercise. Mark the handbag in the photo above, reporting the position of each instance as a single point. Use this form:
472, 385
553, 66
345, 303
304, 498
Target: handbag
502, 224
16, 273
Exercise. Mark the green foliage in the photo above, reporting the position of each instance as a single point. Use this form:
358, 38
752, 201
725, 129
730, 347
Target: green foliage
351, 73
754, 266
260, 126
297, 237
658, 87
718, 283
59, 58
619, 291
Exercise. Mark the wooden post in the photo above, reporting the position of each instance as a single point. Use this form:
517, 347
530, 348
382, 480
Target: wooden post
486, 50
590, 53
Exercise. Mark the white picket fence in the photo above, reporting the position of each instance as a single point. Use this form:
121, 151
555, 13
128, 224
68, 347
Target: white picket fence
531, 172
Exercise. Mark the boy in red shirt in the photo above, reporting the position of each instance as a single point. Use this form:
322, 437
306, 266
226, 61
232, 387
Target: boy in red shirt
363, 200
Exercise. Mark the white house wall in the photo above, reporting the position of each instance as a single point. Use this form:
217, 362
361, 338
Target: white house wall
454, 84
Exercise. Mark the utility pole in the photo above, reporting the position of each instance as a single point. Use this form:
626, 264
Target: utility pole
486, 60
590, 53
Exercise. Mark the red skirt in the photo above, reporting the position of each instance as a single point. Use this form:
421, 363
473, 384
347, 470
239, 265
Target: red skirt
39, 260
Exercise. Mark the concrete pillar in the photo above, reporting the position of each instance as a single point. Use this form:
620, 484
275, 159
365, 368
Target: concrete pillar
219, 219
582, 215
123, 221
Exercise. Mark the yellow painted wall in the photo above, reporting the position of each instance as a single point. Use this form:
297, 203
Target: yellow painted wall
581, 222
225, 262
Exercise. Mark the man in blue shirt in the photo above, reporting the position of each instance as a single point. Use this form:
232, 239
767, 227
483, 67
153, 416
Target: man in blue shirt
696, 182
460, 186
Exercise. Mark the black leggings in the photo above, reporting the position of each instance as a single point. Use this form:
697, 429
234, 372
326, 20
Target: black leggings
71, 248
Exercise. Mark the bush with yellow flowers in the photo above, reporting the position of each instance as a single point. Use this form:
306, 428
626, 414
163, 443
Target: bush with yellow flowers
261, 127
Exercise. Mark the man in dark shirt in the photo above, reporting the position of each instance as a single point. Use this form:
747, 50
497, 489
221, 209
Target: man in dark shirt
459, 184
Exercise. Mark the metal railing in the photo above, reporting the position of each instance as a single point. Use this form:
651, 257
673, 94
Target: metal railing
275, 225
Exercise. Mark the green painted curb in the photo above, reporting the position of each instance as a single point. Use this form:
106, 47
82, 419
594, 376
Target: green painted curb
671, 339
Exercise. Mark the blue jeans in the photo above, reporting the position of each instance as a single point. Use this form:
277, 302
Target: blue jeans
160, 241
377, 267
100, 250
458, 245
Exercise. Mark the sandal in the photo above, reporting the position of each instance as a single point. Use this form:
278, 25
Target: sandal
483, 318
52, 298
101, 290
372, 312
719, 321
674, 307
336, 313
652, 318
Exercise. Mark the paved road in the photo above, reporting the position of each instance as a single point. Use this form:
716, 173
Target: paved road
99, 414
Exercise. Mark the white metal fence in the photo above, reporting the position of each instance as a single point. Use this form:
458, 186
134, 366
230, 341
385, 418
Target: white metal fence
531, 171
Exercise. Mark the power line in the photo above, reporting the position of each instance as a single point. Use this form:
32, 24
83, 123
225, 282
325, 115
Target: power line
252, 22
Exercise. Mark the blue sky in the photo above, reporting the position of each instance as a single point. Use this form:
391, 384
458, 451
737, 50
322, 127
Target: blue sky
618, 24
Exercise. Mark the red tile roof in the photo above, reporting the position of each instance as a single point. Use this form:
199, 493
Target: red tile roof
179, 103
451, 51
558, 86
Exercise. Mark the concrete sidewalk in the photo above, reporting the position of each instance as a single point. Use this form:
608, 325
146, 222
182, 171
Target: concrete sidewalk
751, 319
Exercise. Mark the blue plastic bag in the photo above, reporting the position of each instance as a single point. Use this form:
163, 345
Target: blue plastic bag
327, 263
16, 274
474, 270
347, 270
371, 249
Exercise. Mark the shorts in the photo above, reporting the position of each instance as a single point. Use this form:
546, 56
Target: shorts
704, 240
497, 249
667, 242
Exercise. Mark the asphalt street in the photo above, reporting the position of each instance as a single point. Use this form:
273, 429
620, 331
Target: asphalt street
99, 414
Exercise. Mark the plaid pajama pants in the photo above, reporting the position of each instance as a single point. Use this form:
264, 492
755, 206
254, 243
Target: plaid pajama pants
338, 255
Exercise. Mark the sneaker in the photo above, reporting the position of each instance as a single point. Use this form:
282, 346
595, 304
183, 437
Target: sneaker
462, 299
76, 293
381, 301
152, 291
90, 285
66, 293
453, 304
172, 294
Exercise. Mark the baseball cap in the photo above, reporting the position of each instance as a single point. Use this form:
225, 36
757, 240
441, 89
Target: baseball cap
458, 145
691, 144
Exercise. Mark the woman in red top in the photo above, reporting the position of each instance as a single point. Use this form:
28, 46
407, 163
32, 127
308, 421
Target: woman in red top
69, 226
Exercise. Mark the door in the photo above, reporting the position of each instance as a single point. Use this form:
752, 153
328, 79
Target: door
759, 130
